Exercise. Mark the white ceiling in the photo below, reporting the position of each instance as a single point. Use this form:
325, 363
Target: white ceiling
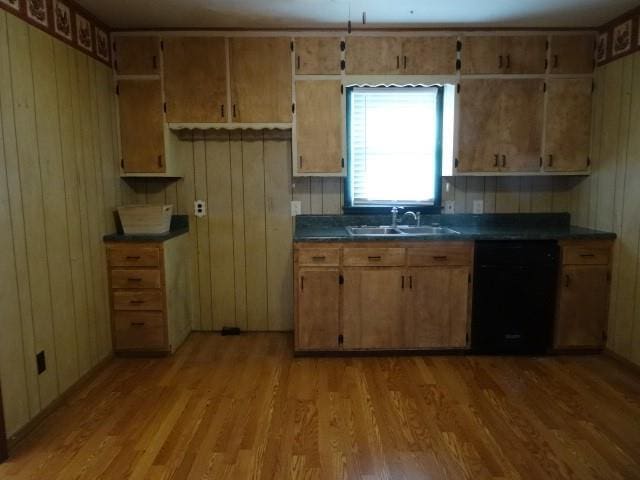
334, 13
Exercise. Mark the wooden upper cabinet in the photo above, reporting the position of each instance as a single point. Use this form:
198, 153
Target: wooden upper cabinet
317, 55
373, 308
373, 55
137, 55
141, 126
567, 125
429, 55
195, 79
438, 315
260, 80
479, 126
571, 54
318, 304
486, 54
521, 110
319, 126
582, 307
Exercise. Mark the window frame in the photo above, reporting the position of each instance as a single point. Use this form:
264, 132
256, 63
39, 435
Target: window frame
348, 207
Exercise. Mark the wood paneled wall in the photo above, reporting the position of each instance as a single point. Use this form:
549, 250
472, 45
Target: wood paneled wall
610, 198
58, 187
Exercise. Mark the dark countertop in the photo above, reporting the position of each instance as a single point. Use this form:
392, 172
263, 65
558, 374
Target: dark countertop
331, 228
179, 226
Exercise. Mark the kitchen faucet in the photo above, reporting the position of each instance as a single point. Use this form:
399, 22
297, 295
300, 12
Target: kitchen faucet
394, 216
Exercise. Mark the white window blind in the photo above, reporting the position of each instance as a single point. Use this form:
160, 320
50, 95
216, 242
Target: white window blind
393, 141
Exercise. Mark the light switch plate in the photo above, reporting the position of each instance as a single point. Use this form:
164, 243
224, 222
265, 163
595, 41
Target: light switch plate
199, 208
296, 208
478, 206
449, 206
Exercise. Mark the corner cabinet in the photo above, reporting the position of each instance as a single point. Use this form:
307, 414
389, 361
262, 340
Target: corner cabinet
583, 295
364, 296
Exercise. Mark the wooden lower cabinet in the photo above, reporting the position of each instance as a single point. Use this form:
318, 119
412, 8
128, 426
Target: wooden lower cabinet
373, 305
583, 295
150, 295
318, 303
438, 307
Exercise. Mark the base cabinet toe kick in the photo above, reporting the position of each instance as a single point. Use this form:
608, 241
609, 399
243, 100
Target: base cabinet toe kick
418, 296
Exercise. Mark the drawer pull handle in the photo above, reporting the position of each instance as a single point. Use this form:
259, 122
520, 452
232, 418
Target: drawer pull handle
137, 324
375, 257
134, 279
318, 258
440, 257
133, 257
587, 255
136, 302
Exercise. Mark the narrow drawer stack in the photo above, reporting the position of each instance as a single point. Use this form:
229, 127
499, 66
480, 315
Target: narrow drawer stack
137, 291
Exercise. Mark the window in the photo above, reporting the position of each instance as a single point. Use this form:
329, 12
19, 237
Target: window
395, 147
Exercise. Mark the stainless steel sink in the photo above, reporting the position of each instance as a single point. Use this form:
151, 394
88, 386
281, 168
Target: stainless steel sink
426, 230
365, 231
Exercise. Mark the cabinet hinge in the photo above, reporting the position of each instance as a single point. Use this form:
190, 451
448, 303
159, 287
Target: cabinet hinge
546, 64
340, 339
122, 163
588, 161
469, 278
458, 64
291, 45
458, 46
164, 107
593, 86
117, 89
544, 87
540, 162
343, 65
340, 280
162, 45
293, 108
342, 89
458, 88
115, 65
115, 46
546, 45
455, 163
343, 46
342, 162
466, 338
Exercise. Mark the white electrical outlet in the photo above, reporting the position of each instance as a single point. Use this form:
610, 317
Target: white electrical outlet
449, 206
296, 208
478, 206
199, 208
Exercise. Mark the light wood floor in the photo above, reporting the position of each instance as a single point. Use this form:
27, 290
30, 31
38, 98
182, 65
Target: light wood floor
242, 407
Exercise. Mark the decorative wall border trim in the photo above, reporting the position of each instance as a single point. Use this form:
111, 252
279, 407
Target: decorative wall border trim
66, 21
619, 37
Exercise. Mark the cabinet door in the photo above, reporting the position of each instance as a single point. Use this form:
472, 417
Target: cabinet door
438, 307
572, 54
373, 55
521, 110
524, 53
260, 80
319, 126
317, 55
141, 126
479, 126
429, 55
481, 55
567, 125
137, 55
318, 315
373, 308
583, 303
195, 79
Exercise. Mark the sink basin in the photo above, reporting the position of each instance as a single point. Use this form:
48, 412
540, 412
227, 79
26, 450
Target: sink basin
426, 230
372, 231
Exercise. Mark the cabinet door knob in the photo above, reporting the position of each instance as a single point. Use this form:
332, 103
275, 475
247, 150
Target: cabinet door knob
398, 61
495, 160
504, 160
405, 62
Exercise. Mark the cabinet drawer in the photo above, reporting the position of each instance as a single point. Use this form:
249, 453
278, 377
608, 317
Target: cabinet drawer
134, 256
138, 300
587, 254
319, 256
439, 255
139, 330
130, 278
383, 257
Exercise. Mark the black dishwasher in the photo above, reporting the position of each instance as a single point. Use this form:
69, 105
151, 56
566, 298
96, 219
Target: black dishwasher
513, 296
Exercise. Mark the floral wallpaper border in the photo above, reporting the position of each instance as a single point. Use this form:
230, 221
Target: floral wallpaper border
67, 21
619, 37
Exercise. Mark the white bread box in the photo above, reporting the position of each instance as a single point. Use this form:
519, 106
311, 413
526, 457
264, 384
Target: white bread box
145, 219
